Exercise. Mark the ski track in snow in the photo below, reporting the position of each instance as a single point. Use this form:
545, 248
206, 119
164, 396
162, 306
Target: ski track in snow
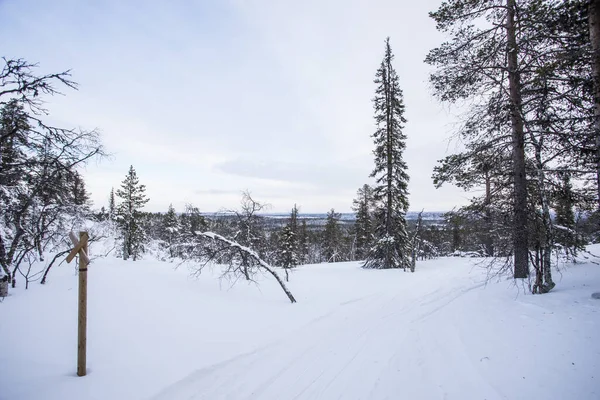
326, 356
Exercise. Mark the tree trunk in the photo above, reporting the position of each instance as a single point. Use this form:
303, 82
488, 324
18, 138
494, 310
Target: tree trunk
594, 27
14, 277
56, 257
388, 222
3, 258
547, 237
521, 250
537, 286
488, 243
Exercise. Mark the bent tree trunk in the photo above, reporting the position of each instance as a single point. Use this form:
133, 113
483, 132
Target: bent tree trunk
251, 254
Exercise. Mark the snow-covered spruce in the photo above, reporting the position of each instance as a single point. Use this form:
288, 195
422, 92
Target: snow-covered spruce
391, 248
133, 199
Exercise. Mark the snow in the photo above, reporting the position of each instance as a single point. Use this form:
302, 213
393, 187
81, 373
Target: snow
438, 333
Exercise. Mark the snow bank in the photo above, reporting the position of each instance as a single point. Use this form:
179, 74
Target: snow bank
155, 333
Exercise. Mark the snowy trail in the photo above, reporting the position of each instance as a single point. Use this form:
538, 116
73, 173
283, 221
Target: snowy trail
354, 334
364, 349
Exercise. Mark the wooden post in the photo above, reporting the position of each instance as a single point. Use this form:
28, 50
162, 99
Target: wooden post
80, 249
82, 312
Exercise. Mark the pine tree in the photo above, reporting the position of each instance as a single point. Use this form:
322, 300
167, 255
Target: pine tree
484, 63
391, 247
332, 237
363, 225
129, 215
524, 67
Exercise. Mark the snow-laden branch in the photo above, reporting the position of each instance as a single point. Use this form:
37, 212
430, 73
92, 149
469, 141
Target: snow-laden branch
249, 253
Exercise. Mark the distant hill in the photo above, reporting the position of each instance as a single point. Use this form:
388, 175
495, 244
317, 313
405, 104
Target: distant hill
278, 220
411, 215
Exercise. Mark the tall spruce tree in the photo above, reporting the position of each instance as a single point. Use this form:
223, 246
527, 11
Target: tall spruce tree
391, 248
129, 215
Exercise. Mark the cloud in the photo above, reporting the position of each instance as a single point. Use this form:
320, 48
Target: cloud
206, 99
320, 175
216, 192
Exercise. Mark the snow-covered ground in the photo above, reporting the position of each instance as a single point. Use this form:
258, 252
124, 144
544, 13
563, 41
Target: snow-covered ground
440, 333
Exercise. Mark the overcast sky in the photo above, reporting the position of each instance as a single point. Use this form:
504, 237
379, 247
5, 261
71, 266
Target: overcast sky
208, 98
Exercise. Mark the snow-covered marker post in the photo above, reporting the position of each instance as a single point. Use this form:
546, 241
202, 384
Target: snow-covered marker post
81, 248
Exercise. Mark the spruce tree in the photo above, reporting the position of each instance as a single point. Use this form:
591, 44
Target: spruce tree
564, 202
79, 194
332, 237
171, 228
363, 225
111, 205
303, 243
294, 220
289, 252
391, 247
129, 215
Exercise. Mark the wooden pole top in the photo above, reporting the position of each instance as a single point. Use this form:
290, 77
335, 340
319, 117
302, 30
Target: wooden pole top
79, 247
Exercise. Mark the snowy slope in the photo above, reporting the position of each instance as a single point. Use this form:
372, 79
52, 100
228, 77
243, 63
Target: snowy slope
440, 333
